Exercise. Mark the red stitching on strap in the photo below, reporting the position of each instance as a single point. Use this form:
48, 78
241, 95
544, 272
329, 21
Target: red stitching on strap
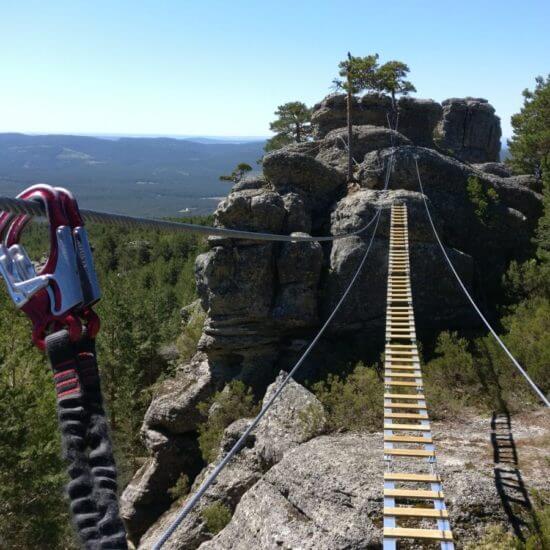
68, 392
64, 373
60, 385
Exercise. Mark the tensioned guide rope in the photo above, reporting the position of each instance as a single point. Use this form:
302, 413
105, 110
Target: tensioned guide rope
535, 388
235, 449
192, 502
18, 206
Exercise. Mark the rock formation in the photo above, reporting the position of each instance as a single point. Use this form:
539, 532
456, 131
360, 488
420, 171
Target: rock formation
326, 494
265, 300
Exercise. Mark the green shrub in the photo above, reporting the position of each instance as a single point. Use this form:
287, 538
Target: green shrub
216, 516
181, 488
188, 339
235, 401
483, 199
496, 537
529, 339
451, 380
353, 403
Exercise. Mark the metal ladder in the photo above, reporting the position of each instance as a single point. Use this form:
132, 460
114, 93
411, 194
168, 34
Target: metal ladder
413, 494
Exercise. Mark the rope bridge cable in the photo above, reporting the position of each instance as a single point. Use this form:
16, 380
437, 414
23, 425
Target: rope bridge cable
30, 208
192, 502
535, 388
217, 470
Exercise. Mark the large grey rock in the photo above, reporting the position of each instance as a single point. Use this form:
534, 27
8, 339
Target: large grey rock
174, 405
249, 182
236, 280
496, 168
294, 418
298, 215
252, 210
293, 171
418, 119
298, 271
327, 493
493, 243
436, 296
147, 495
469, 129
333, 148
168, 432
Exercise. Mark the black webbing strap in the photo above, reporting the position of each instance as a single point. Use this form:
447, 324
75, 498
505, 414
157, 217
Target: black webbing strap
73, 424
86, 444
101, 458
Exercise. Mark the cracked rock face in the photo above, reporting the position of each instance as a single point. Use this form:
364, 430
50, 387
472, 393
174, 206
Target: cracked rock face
327, 493
469, 129
296, 417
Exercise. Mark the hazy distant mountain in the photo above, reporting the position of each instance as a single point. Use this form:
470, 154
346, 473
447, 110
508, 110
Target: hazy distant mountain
145, 176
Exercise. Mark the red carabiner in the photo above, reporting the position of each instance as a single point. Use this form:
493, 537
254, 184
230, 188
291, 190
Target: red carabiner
50, 308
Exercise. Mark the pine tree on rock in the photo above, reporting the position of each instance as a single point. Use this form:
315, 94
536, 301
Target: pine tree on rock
238, 173
293, 125
359, 73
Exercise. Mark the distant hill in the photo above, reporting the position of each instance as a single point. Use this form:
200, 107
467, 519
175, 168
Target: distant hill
141, 176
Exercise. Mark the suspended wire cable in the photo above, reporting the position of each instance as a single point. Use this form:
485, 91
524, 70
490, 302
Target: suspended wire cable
535, 388
192, 502
235, 449
19, 206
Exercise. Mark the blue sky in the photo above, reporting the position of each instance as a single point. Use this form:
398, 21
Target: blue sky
212, 67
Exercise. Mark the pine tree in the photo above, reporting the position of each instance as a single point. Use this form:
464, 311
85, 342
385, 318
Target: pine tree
238, 173
359, 73
390, 78
293, 125
530, 144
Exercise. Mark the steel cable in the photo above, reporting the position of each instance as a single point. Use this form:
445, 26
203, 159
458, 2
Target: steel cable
535, 388
192, 502
18, 206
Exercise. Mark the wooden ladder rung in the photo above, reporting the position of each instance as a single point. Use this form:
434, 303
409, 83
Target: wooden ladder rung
404, 406
416, 396
408, 427
418, 385
412, 416
421, 494
393, 374
405, 476
407, 439
393, 366
405, 533
409, 452
410, 512
401, 346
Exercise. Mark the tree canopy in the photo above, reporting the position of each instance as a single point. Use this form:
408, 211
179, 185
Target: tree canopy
293, 125
390, 78
362, 73
238, 173
530, 144
367, 75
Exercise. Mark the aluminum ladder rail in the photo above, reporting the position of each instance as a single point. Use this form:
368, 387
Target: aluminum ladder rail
413, 495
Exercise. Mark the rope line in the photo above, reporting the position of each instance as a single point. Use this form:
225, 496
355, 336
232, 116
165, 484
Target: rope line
192, 502
535, 388
217, 470
19, 206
